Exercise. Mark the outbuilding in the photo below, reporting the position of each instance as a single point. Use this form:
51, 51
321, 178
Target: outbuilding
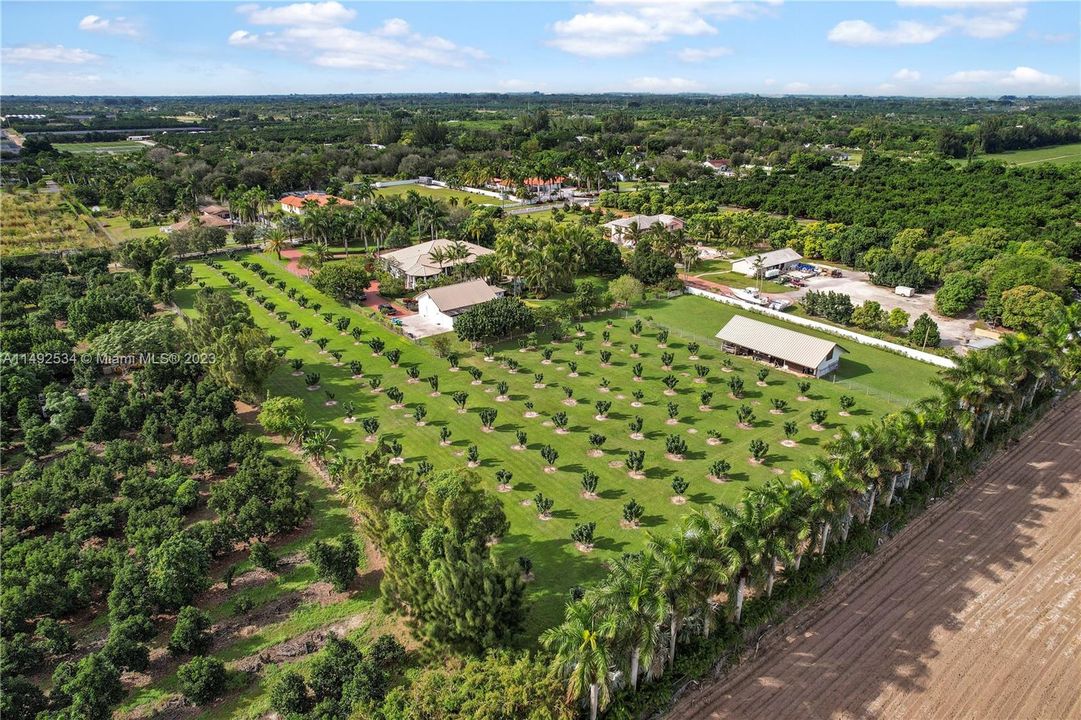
787, 349
441, 305
767, 264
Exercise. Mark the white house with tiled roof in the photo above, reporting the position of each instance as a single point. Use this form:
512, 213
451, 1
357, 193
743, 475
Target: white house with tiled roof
442, 304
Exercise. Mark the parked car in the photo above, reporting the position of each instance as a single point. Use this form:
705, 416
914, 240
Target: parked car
387, 309
836, 274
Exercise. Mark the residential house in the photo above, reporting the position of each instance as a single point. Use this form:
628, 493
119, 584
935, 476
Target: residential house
419, 263
294, 202
787, 349
204, 219
442, 304
721, 166
622, 230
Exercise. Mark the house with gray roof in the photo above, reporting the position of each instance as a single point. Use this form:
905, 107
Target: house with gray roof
767, 264
787, 349
441, 305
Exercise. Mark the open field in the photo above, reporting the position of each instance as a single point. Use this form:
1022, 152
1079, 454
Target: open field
557, 564
110, 147
34, 222
443, 194
971, 612
1055, 155
120, 228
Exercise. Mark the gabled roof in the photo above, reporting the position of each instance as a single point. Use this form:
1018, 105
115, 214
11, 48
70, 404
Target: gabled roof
214, 210
416, 260
204, 220
782, 343
773, 257
461, 296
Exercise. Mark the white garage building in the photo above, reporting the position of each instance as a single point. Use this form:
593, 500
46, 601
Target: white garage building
780, 346
769, 264
440, 305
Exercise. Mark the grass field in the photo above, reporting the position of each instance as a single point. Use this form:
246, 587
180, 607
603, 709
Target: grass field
120, 228
1056, 155
880, 381
720, 271
442, 194
34, 222
111, 147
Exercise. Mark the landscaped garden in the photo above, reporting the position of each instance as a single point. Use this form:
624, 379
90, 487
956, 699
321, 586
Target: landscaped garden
624, 423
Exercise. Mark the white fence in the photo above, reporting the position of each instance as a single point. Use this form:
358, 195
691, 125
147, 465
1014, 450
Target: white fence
913, 353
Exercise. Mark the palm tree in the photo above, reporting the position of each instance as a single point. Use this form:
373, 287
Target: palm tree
580, 644
717, 563
629, 595
274, 241
677, 565
741, 527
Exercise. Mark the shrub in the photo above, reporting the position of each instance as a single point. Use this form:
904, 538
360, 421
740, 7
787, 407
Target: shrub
191, 634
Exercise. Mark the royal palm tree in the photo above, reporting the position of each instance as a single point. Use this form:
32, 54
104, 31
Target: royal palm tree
630, 595
274, 241
677, 564
717, 563
580, 644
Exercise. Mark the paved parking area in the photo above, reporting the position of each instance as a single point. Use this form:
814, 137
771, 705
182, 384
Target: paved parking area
856, 285
417, 326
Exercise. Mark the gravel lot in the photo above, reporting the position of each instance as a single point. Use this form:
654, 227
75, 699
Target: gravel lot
955, 331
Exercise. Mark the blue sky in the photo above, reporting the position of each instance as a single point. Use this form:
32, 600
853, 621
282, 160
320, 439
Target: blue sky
908, 47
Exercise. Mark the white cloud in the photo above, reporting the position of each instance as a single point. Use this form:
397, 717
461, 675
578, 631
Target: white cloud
989, 26
1020, 78
517, 85
906, 75
392, 46
664, 85
305, 13
905, 32
48, 54
109, 26
394, 27
796, 87
616, 28
693, 55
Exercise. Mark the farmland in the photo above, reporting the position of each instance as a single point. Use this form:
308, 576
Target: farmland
37, 222
1057, 155
109, 147
557, 564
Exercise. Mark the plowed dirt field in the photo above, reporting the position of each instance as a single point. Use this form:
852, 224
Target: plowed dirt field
973, 612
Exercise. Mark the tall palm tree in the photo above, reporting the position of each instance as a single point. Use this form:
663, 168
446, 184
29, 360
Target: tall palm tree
717, 563
630, 595
741, 527
580, 645
678, 564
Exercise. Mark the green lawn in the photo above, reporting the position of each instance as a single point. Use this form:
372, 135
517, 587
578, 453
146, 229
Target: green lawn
108, 147
1055, 155
120, 228
890, 381
720, 271
442, 194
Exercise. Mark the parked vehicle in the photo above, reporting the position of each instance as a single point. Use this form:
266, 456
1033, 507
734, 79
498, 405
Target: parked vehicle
836, 274
387, 309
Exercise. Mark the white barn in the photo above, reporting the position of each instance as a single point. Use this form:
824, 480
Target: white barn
442, 304
769, 264
787, 349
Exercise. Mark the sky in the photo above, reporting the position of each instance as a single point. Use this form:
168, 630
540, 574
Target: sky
907, 47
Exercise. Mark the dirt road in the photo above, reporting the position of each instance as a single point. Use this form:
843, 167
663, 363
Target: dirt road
973, 612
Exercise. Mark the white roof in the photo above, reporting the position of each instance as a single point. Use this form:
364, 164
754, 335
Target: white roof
644, 222
782, 343
416, 260
461, 296
771, 258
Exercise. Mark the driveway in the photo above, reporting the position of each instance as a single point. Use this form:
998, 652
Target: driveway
417, 326
855, 284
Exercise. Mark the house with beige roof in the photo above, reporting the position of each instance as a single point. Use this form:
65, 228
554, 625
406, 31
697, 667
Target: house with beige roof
625, 230
787, 349
442, 304
429, 259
